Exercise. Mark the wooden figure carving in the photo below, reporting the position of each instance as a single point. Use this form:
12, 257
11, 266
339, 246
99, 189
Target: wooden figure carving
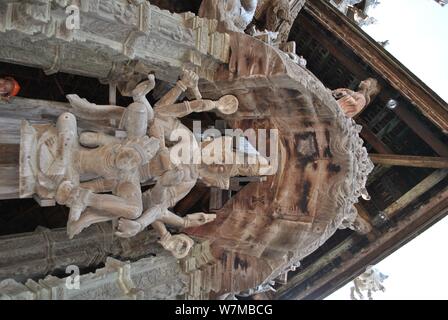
354, 102
232, 15
121, 164
52, 162
370, 281
271, 14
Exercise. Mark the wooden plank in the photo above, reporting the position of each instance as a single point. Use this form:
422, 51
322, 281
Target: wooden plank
9, 181
415, 192
376, 143
409, 161
9, 153
335, 50
216, 201
38, 111
32, 109
284, 291
421, 130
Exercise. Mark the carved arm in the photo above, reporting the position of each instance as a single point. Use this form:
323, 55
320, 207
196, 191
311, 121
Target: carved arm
90, 111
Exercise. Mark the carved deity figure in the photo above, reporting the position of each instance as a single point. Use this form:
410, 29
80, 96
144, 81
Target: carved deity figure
270, 14
56, 160
175, 179
9, 87
354, 102
175, 183
232, 15
147, 150
370, 281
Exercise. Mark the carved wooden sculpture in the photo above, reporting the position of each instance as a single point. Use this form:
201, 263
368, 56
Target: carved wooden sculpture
370, 281
51, 168
176, 180
271, 14
354, 102
232, 15
267, 227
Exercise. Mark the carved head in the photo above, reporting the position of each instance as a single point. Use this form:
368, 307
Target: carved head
370, 88
9, 87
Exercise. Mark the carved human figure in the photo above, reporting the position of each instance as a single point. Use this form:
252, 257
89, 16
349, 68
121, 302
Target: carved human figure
354, 102
58, 161
232, 15
270, 14
370, 281
175, 179
9, 87
176, 183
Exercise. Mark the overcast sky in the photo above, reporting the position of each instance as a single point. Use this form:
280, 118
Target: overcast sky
417, 31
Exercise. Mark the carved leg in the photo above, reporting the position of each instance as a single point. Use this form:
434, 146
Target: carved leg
135, 120
352, 293
89, 217
128, 206
126, 203
128, 228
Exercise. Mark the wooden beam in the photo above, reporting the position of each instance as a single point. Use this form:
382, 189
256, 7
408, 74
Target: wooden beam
335, 50
299, 287
9, 154
9, 181
376, 143
415, 192
409, 161
421, 130
38, 111
431, 105
216, 201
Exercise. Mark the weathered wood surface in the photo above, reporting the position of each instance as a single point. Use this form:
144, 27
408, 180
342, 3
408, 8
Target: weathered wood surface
9, 177
412, 195
269, 225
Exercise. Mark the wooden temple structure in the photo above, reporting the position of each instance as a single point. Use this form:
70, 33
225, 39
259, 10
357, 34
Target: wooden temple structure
346, 192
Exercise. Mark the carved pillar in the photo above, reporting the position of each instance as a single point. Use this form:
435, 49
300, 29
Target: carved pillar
35, 254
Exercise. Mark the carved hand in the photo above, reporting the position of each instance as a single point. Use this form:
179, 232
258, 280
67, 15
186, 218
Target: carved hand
179, 244
128, 228
198, 219
189, 79
145, 87
227, 104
